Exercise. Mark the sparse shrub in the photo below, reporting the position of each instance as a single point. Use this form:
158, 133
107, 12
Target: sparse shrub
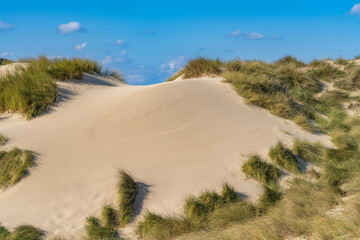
284, 157
27, 232
109, 216
202, 66
263, 172
127, 190
309, 152
95, 230
15, 165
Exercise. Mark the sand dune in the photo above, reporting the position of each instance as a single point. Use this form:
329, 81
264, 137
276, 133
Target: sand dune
176, 138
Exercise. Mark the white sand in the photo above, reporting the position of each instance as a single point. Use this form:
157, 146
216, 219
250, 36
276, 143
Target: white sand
177, 138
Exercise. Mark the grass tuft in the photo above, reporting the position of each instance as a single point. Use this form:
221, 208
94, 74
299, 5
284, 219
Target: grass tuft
15, 165
290, 60
109, 216
28, 91
127, 190
3, 140
202, 67
4, 233
263, 172
283, 157
27, 232
309, 152
4, 61
95, 230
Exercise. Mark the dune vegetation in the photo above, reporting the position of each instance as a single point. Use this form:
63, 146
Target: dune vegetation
14, 165
31, 89
22, 232
4, 61
321, 202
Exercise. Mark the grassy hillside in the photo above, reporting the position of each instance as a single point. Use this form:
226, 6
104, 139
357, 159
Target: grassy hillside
31, 89
321, 203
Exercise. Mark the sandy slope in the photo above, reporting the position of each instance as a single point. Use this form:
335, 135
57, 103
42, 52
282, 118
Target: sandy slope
176, 138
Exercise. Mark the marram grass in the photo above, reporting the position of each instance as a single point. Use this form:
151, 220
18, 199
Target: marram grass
127, 191
14, 165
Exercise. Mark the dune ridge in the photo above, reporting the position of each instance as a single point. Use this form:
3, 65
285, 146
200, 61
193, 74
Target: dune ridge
166, 135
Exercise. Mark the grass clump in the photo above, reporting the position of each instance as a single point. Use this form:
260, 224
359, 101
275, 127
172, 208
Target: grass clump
4, 61
27, 232
238, 212
96, 231
341, 61
263, 172
326, 71
127, 190
64, 69
157, 227
109, 216
202, 67
28, 91
15, 165
284, 157
290, 60
4, 233
175, 76
3, 140
309, 152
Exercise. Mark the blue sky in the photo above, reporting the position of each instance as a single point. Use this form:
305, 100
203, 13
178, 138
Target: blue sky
149, 40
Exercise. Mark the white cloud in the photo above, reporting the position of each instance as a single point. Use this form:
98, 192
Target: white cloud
107, 60
255, 35
120, 42
70, 27
355, 10
80, 47
251, 36
173, 65
235, 33
6, 54
5, 26
123, 52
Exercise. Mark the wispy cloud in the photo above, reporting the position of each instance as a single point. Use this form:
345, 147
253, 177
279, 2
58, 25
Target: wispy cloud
70, 27
120, 42
125, 59
6, 26
251, 35
147, 32
173, 65
355, 10
80, 47
6, 54
107, 60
